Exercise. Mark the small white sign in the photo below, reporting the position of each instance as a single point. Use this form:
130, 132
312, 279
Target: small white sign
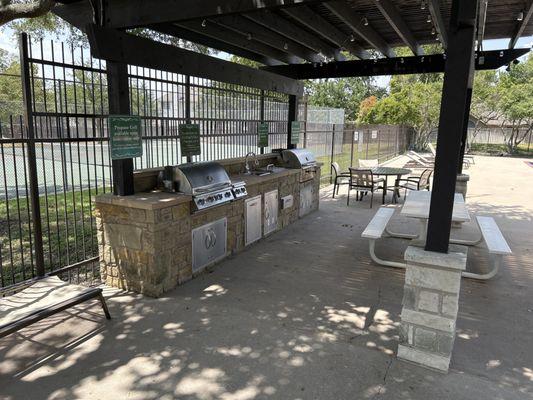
355, 136
374, 134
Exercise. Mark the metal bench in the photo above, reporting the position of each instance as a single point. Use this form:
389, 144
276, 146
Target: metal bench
496, 245
376, 230
42, 298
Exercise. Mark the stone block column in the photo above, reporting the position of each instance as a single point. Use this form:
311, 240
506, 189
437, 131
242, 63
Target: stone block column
430, 306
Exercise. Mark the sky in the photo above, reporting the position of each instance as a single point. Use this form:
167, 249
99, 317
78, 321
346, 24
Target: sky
8, 42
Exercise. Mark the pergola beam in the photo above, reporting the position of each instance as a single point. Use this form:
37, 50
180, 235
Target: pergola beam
436, 16
528, 12
481, 19
215, 31
315, 22
392, 15
135, 13
285, 28
393, 66
113, 45
268, 37
355, 21
173, 30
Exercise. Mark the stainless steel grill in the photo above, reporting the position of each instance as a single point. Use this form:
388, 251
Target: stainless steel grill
208, 183
300, 159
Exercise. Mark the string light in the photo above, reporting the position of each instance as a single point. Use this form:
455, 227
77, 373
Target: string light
428, 20
433, 31
365, 21
520, 16
352, 38
285, 46
423, 5
204, 23
249, 36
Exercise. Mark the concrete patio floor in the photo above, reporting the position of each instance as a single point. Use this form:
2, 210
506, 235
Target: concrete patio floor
303, 314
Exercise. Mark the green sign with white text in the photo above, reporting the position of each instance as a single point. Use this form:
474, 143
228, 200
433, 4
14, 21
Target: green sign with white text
125, 136
295, 132
262, 132
189, 139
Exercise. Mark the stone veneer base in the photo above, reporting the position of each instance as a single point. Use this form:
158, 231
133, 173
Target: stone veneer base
430, 306
145, 242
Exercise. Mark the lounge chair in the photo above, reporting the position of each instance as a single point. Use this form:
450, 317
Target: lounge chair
40, 299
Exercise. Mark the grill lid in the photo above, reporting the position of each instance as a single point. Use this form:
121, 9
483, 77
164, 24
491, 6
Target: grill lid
298, 158
196, 178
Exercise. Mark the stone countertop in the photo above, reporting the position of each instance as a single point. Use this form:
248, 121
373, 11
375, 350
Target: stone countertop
251, 180
147, 201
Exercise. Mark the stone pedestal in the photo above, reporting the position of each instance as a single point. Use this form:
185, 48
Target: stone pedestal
430, 305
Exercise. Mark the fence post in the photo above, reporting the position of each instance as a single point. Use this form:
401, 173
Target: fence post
32, 159
332, 154
188, 105
351, 149
262, 115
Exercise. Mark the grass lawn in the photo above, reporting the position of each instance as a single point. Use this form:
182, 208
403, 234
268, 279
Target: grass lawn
69, 233
500, 149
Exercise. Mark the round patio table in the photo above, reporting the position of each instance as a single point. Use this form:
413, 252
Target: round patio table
386, 172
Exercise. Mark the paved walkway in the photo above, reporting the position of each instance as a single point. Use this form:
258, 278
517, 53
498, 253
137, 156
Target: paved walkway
304, 314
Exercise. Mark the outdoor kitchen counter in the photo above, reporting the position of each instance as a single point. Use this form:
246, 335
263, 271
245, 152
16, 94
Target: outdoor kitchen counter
153, 200
251, 180
146, 242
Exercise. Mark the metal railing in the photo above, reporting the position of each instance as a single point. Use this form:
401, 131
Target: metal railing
347, 143
67, 99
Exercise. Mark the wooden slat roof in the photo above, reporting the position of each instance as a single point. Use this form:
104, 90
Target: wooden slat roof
501, 23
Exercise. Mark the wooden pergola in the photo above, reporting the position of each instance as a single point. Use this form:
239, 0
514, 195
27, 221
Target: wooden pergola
308, 39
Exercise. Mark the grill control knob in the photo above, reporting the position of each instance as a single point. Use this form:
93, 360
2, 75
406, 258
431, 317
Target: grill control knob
219, 196
201, 202
227, 194
210, 199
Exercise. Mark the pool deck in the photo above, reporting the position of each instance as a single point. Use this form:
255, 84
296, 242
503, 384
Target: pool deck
303, 314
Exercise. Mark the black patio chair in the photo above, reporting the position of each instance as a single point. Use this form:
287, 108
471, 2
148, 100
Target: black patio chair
421, 182
340, 178
363, 181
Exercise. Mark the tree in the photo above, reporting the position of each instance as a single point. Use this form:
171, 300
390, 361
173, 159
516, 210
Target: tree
365, 107
346, 93
411, 102
484, 106
515, 90
10, 11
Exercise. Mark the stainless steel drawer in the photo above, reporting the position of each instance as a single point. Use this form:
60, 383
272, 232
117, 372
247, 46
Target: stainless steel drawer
209, 243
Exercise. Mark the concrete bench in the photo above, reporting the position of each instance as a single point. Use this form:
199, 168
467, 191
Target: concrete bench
376, 230
41, 299
496, 245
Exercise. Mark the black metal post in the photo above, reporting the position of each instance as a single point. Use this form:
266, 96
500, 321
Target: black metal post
332, 154
188, 105
262, 114
119, 103
32, 159
464, 138
457, 75
293, 116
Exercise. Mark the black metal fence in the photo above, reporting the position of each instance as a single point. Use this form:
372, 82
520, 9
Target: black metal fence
69, 104
347, 143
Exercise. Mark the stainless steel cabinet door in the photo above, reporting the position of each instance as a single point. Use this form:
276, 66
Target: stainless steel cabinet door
209, 243
306, 200
271, 212
252, 216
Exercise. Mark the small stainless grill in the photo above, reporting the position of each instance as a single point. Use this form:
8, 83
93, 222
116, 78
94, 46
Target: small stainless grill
300, 159
208, 183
